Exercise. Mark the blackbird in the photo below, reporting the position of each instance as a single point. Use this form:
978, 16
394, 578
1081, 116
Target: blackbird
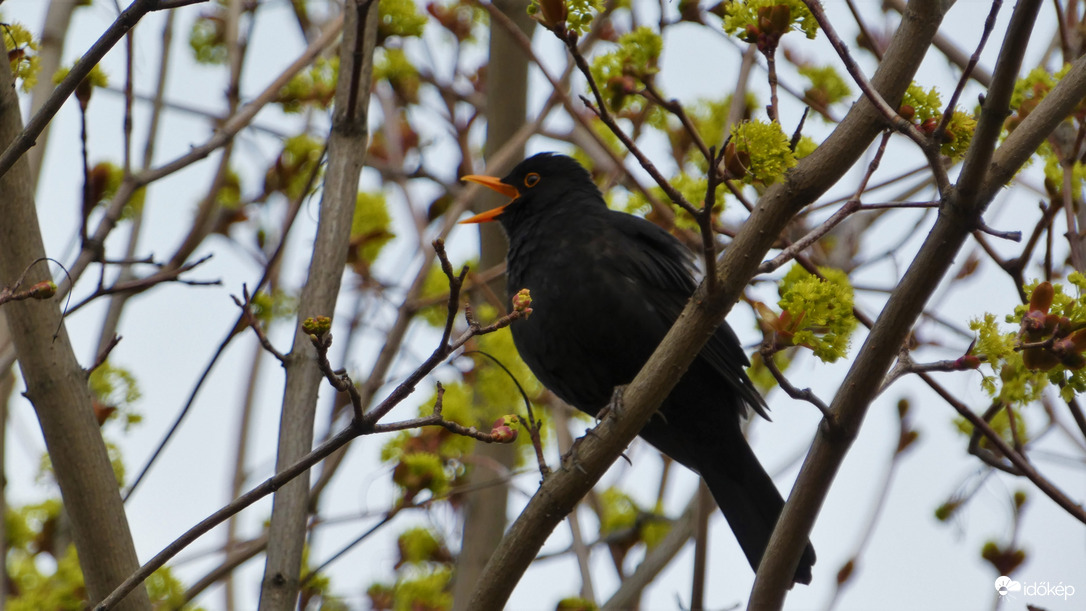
606, 287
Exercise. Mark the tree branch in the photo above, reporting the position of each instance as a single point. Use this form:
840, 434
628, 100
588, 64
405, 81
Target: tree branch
347, 144
703, 314
961, 209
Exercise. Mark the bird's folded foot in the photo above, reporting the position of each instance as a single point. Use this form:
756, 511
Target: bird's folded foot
570, 460
614, 406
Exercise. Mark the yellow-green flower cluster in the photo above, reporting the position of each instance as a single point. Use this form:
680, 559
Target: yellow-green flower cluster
579, 14
370, 227
827, 86
22, 54
429, 590
399, 18
435, 285
806, 146
1054, 173
925, 104
621, 72
490, 394
97, 77
393, 66
1063, 304
35, 590
619, 514
168, 592
418, 471
115, 391
1001, 424
496, 387
709, 118
208, 40
294, 167
315, 86
768, 148
418, 545
576, 603
693, 188
1035, 86
111, 384
821, 310
1009, 381
741, 16
958, 135
924, 108
277, 305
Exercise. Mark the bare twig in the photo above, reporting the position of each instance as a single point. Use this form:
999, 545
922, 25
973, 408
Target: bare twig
805, 394
139, 285
224, 134
1019, 461
249, 320
104, 354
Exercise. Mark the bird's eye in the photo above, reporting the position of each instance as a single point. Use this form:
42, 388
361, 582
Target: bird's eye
531, 180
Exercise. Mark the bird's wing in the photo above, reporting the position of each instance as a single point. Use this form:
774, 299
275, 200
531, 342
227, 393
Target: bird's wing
665, 265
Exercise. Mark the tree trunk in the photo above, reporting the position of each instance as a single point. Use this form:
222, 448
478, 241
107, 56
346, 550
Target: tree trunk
484, 510
347, 144
57, 385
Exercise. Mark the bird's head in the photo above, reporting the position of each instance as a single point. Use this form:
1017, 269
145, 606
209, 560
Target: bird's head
536, 185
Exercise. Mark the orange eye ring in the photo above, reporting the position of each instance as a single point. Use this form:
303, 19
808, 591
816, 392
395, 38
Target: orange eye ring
531, 179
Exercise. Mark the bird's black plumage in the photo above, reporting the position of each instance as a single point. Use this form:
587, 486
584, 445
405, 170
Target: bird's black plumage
606, 286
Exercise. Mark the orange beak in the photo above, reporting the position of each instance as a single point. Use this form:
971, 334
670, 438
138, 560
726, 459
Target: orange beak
495, 184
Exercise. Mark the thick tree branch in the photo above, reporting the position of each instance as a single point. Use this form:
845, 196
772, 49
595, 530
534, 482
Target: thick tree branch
960, 213
57, 386
814, 174
347, 145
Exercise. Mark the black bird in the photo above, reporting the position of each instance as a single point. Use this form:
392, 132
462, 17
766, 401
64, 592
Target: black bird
606, 286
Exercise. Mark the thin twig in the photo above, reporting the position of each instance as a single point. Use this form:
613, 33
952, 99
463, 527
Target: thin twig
989, 25
120, 26
139, 285
251, 321
805, 394
104, 354
835, 219
1019, 461
899, 123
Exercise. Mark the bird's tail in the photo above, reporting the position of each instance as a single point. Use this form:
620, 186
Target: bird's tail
751, 503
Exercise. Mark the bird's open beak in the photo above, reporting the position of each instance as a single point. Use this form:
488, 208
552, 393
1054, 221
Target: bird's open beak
495, 184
